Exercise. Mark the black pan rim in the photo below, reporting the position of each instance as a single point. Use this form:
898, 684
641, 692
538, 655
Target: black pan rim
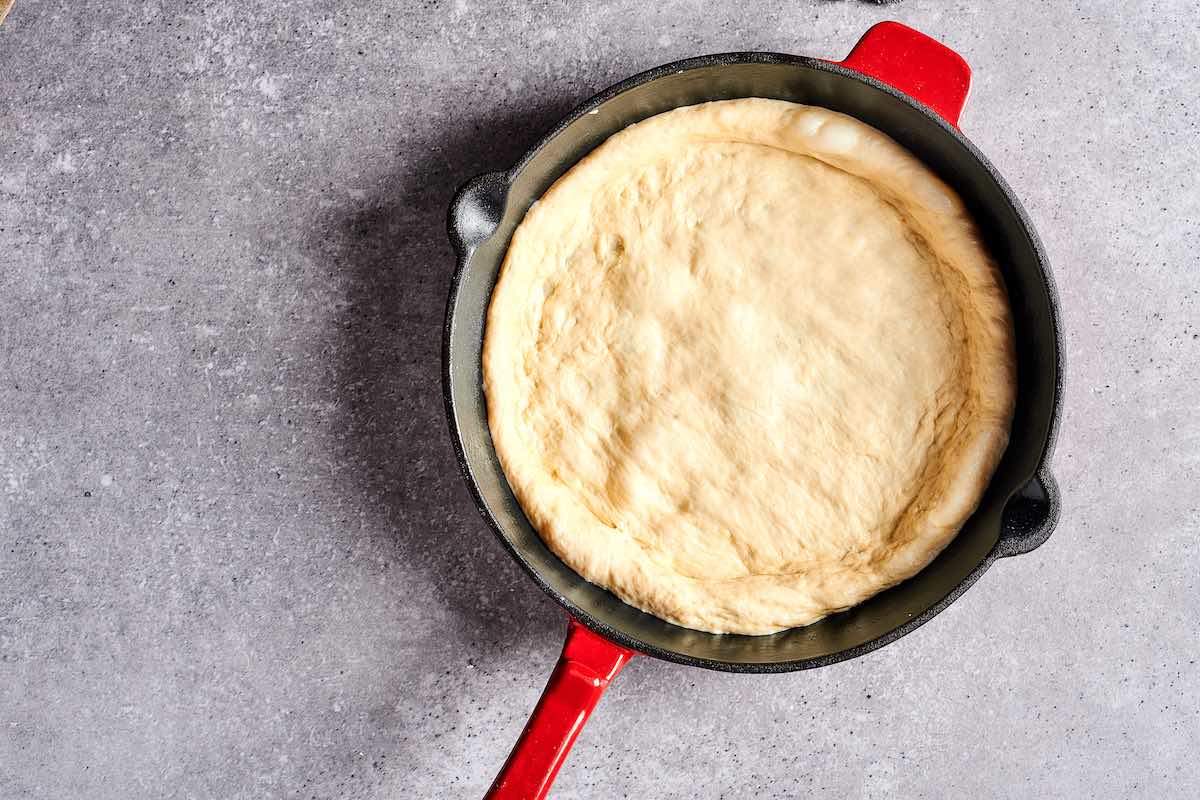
1041, 471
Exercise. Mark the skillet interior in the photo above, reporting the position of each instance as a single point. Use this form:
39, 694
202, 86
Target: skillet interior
1020, 504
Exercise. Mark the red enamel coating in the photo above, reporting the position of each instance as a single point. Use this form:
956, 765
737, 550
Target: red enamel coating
930, 73
923, 68
587, 665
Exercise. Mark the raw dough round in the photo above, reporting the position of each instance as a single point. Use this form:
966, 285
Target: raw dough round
747, 364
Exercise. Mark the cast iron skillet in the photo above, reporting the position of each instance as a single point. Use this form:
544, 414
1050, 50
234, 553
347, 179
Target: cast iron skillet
912, 88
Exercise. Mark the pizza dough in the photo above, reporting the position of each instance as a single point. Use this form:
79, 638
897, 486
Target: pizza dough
748, 364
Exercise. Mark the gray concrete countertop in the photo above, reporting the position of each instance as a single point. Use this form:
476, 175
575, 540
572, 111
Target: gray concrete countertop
236, 556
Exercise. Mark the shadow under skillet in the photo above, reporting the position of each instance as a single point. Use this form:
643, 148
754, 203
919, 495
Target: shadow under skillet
391, 253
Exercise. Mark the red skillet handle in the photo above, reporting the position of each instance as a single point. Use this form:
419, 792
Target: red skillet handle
923, 68
587, 665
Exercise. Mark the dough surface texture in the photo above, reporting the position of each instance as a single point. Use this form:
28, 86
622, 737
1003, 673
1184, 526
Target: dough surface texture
748, 364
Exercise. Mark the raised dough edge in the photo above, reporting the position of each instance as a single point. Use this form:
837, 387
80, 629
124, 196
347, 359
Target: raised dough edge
767, 604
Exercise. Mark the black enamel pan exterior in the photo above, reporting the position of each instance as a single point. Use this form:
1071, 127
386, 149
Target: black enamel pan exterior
1020, 505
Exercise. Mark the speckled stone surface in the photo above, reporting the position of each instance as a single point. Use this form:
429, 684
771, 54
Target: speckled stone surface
236, 557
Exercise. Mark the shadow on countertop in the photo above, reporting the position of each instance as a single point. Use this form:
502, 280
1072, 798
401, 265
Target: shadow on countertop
392, 252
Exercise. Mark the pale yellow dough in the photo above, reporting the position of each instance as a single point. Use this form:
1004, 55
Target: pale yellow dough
748, 364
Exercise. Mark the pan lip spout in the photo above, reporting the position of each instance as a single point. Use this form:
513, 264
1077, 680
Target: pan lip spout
1029, 512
